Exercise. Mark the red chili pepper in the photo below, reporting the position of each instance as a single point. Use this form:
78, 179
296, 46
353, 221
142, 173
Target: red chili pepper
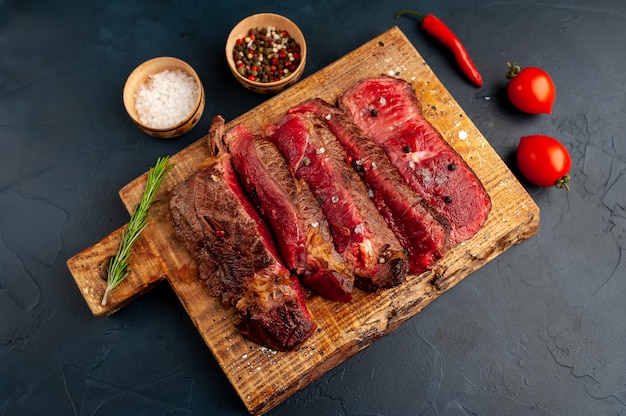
436, 28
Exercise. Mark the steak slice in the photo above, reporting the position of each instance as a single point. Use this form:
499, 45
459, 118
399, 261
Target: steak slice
270, 191
388, 112
418, 227
359, 233
236, 256
289, 207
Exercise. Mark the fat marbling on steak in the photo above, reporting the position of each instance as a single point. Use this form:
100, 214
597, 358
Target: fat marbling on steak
359, 233
293, 214
235, 253
386, 109
418, 227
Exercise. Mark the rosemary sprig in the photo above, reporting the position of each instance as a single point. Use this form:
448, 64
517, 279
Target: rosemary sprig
118, 266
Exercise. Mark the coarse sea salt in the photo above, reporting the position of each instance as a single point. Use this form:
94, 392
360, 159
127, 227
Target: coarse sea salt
166, 98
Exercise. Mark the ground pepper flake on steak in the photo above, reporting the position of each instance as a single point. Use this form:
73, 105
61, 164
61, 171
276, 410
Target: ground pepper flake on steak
419, 152
235, 254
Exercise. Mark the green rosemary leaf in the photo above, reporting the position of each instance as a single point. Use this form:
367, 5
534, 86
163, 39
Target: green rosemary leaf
118, 267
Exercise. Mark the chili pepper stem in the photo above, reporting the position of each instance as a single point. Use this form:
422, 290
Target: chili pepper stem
407, 11
514, 70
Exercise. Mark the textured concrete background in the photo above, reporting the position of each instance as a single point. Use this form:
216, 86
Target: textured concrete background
538, 331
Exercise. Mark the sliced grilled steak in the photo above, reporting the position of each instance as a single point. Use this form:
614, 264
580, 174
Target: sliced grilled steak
276, 202
388, 112
289, 207
418, 227
359, 232
235, 253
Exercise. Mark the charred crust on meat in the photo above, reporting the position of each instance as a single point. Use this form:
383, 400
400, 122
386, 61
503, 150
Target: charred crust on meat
215, 140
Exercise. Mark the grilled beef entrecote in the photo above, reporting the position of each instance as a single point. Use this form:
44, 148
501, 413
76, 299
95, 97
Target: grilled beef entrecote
418, 227
236, 255
386, 109
289, 207
368, 188
359, 232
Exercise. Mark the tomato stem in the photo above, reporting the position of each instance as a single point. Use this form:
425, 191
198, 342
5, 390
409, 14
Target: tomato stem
562, 182
514, 70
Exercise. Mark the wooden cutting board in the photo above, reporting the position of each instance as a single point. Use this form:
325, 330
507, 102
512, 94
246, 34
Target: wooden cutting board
263, 378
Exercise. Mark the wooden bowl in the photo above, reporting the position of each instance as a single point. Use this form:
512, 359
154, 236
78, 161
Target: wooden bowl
264, 20
141, 74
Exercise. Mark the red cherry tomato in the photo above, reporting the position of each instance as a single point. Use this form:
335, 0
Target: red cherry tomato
544, 161
531, 90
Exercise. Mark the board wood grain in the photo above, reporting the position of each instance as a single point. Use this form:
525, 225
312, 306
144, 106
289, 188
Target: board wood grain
262, 377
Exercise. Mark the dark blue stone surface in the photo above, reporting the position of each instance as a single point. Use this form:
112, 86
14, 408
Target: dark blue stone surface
538, 331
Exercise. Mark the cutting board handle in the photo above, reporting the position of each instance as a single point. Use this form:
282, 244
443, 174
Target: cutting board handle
89, 271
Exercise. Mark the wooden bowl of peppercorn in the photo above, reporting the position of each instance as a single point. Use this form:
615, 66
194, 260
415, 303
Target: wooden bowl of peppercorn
266, 53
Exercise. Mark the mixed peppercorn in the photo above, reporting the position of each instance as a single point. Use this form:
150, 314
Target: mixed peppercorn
266, 55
